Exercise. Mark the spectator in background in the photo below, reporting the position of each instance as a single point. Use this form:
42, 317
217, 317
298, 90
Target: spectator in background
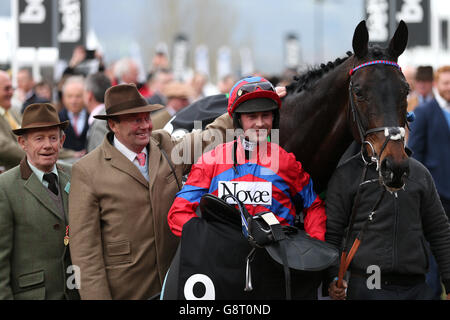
159, 61
84, 62
178, 97
429, 140
25, 87
74, 111
10, 151
126, 71
430, 135
94, 98
158, 83
410, 75
423, 86
226, 83
198, 83
44, 90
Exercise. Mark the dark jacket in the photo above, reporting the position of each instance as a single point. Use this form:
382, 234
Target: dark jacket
395, 239
34, 98
429, 139
74, 142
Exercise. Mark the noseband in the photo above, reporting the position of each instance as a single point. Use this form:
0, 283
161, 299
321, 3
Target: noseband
391, 133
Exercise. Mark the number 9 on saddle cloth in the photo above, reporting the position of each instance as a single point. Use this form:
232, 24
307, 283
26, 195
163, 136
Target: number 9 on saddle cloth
228, 254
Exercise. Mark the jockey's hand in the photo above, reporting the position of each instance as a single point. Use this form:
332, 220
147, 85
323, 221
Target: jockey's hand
337, 293
448, 296
281, 91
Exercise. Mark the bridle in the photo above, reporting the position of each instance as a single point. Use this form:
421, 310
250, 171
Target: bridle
391, 133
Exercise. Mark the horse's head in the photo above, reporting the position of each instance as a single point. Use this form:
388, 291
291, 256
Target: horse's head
377, 94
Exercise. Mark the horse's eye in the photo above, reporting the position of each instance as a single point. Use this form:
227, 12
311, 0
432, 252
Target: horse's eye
358, 92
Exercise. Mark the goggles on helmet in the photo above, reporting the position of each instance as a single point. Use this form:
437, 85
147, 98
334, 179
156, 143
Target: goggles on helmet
251, 88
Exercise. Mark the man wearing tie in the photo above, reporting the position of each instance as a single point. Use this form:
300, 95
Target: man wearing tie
120, 195
76, 113
10, 151
34, 234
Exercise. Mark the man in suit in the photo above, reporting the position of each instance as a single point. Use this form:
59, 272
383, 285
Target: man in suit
25, 86
34, 254
75, 111
120, 195
429, 140
94, 98
10, 151
430, 135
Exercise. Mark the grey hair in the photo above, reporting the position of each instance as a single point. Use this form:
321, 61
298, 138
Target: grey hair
122, 66
71, 80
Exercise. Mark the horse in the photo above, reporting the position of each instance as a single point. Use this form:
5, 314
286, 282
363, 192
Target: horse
361, 97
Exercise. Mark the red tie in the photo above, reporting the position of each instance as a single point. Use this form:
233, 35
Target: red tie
74, 124
141, 158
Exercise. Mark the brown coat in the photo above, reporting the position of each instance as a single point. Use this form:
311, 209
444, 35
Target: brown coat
119, 235
10, 151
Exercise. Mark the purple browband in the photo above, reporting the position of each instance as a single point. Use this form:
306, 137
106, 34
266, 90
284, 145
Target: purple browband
391, 63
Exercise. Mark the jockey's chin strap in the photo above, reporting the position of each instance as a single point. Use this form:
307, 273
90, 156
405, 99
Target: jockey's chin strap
391, 133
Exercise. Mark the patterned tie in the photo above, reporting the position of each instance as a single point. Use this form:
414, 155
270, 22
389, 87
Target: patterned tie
141, 158
51, 179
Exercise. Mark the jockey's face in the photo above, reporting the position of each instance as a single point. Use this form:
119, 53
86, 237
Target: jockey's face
257, 125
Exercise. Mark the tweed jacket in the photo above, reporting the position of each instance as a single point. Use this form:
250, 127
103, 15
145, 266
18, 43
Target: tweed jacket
33, 258
120, 237
10, 151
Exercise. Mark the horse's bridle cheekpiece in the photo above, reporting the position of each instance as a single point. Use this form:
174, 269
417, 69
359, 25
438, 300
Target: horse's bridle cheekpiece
391, 133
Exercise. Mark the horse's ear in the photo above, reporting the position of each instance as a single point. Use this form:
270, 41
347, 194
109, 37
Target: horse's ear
399, 40
361, 40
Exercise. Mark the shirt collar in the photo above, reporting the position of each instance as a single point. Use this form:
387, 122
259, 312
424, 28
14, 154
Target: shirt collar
130, 155
40, 173
95, 112
444, 104
81, 115
2, 111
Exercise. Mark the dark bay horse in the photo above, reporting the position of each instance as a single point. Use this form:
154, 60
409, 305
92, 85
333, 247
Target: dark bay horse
361, 97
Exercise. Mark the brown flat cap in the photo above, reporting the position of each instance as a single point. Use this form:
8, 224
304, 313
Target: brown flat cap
38, 116
178, 90
125, 99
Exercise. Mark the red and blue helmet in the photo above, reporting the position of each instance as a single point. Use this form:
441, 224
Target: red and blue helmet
259, 90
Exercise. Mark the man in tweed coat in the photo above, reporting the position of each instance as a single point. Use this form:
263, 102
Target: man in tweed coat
34, 256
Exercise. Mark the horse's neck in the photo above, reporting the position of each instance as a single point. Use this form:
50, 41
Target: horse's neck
324, 134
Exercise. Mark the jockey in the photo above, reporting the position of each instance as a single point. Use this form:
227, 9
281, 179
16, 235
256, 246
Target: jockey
255, 170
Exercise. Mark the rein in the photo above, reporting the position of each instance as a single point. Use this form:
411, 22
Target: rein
391, 133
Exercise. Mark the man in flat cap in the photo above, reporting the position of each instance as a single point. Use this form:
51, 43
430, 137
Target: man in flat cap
423, 87
178, 97
34, 254
120, 195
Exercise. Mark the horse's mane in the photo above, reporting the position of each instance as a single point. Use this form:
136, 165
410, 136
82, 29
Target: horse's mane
305, 80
